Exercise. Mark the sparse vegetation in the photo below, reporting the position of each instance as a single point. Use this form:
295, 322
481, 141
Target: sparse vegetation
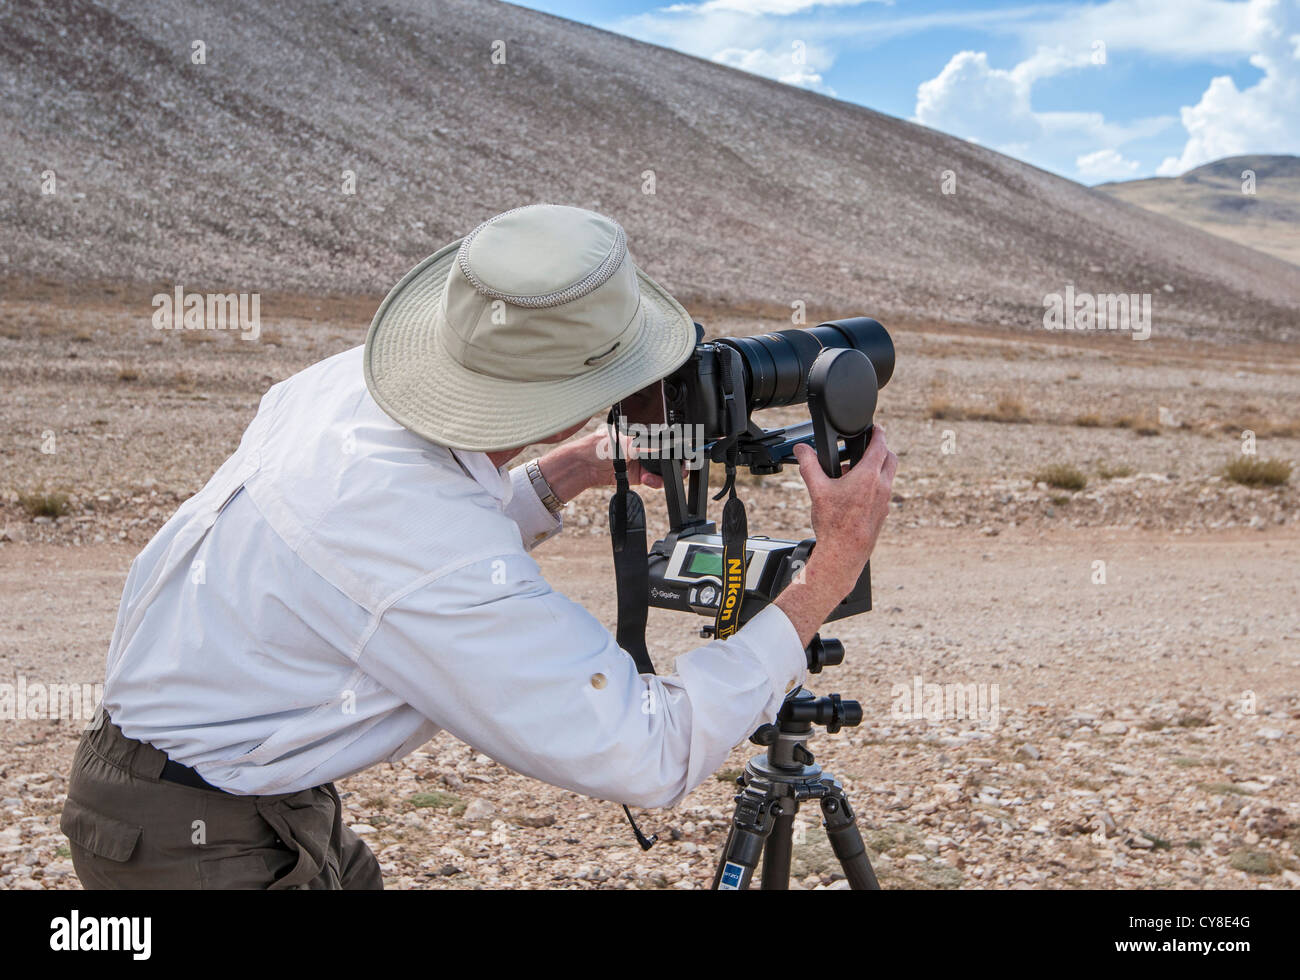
1088, 421
128, 374
941, 408
1223, 789
1252, 472
1262, 427
1157, 843
1062, 476
1254, 862
439, 801
1108, 472
1008, 409
43, 504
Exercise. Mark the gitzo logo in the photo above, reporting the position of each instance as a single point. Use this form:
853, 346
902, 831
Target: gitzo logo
180, 310
1130, 312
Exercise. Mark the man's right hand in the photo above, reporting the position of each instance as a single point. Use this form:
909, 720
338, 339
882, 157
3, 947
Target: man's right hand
848, 513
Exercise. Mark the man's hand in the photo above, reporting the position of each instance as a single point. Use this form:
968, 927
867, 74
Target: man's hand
587, 462
847, 516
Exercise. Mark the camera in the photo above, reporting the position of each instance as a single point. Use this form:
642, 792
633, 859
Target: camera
703, 413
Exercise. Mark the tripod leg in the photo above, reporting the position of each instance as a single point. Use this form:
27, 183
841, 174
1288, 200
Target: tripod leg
776, 855
726, 856
846, 840
750, 826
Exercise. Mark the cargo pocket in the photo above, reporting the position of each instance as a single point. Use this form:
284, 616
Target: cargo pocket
99, 834
305, 823
239, 871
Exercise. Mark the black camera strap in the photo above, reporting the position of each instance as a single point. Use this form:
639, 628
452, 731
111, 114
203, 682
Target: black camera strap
735, 534
631, 556
735, 526
631, 573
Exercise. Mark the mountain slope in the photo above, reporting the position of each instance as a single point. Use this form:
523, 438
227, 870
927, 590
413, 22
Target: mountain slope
229, 174
1214, 198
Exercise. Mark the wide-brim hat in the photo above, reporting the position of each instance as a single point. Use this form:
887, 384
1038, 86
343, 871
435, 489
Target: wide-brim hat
535, 321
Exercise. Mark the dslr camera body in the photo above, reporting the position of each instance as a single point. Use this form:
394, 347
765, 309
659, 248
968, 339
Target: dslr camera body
704, 415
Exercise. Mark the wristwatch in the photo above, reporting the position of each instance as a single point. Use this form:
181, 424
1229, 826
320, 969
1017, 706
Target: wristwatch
543, 489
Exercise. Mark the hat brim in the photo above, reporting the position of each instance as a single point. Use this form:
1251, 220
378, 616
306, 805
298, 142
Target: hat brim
415, 381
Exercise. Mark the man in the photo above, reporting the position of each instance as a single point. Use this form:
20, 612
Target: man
356, 577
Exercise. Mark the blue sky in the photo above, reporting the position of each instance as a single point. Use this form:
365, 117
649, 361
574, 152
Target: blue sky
1106, 90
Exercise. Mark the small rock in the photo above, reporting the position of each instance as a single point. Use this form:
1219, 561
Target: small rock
1113, 728
479, 809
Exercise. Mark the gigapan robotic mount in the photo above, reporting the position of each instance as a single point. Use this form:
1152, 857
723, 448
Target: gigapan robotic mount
838, 368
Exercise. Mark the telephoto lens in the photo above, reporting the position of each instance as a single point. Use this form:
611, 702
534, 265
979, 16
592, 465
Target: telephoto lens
776, 365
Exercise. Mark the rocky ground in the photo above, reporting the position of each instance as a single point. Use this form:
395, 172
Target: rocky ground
1145, 726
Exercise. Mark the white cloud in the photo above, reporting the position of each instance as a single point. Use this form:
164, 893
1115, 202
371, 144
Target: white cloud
1170, 28
1262, 118
1105, 164
993, 106
784, 66
760, 7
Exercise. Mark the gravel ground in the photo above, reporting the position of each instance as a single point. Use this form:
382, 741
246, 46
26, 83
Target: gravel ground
1145, 732
1146, 728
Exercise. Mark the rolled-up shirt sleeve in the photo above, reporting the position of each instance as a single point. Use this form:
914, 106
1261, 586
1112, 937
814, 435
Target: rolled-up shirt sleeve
525, 508
493, 655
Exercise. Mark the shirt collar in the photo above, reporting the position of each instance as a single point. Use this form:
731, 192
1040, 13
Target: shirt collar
495, 480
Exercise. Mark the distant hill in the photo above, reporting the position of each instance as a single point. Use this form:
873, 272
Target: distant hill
230, 174
1211, 197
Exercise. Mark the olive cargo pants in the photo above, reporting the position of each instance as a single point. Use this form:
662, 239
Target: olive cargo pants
130, 829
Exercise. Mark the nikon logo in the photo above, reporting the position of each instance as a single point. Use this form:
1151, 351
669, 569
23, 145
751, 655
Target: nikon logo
735, 582
179, 310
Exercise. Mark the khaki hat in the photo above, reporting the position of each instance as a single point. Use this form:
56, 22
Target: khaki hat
536, 320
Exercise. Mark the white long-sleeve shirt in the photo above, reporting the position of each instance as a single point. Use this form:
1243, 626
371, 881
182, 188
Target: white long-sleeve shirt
342, 589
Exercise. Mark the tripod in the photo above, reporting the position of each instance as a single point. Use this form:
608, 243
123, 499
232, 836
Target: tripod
776, 782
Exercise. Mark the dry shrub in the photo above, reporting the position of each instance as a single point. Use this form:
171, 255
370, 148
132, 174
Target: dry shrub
941, 408
1062, 476
1252, 472
44, 504
1008, 409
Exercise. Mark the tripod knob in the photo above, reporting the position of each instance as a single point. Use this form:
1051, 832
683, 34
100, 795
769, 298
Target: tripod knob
766, 735
823, 653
